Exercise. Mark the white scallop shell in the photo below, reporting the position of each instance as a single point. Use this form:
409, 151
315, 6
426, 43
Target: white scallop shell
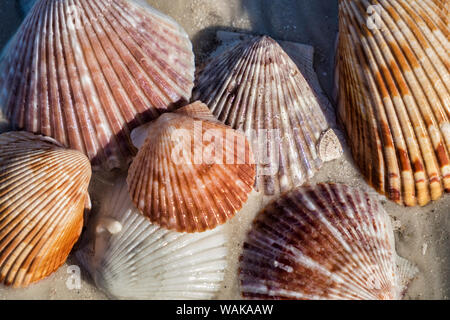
129, 258
323, 242
88, 72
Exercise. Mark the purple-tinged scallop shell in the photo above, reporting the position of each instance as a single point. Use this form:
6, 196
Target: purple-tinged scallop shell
393, 74
323, 242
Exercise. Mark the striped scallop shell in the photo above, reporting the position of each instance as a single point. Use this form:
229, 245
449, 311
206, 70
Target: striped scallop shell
256, 87
43, 191
394, 95
129, 258
323, 242
191, 173
26, 5
88, 72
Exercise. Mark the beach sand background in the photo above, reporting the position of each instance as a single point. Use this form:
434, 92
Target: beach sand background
422, 234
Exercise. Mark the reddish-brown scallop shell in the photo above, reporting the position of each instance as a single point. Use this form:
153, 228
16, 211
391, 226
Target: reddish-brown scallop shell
393, 72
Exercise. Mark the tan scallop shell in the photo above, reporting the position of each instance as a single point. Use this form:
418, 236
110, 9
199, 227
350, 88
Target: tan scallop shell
191, 173
43, 191
394, 95
323, 242
130, 258
256, 87
88, 72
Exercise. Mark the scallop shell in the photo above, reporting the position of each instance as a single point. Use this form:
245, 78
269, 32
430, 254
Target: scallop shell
191, 173
129, 258
43, 192
88, 72
394, 101
323, 242
255, 87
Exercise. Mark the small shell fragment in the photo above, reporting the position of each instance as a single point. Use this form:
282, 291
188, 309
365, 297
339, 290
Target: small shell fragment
329, 146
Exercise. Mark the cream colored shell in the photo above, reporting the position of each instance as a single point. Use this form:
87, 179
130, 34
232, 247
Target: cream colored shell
394, 95
192, 173
255, 87
129, 258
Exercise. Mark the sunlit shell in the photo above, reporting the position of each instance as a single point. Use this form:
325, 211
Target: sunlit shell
324, 242
43, 192
191, 173
129, 258
256, 87
88, 72
394, 95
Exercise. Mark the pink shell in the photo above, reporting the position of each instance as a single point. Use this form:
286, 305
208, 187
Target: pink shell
87, 72
43, 196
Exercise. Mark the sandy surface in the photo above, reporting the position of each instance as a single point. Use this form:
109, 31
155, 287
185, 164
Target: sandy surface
422, 233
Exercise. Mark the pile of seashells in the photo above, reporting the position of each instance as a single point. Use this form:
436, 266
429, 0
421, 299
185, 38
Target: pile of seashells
109, 84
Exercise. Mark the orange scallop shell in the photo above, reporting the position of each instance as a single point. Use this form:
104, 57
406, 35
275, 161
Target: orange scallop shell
183, 179
88, 72
43, 191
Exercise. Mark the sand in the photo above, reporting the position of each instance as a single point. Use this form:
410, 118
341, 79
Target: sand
422, 234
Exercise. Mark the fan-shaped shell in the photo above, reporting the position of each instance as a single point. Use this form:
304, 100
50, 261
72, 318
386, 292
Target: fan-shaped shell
256, 87
323, 242
191, 173
43, 191
394, 98
88, 72
130, 258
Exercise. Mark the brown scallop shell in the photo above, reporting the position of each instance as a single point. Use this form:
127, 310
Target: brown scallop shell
88, 72
43, 192
183, 179
255, 87
323, 242
394, 95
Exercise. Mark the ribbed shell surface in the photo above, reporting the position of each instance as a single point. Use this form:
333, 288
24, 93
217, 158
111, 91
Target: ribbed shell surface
323, 242
129, 258
394, 95
87, 72
192, 173
43, 191
255, 87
